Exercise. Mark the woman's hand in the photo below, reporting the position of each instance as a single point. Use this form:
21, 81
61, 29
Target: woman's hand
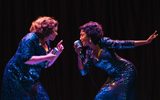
50, 56
77, 50
60, 47
152, 37
54, 53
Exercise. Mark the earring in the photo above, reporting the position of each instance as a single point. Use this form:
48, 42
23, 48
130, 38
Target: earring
90, 40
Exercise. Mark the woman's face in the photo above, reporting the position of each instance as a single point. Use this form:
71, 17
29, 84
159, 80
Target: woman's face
84, 39
53, 35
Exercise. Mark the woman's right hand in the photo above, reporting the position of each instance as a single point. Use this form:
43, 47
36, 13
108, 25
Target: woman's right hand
77, 50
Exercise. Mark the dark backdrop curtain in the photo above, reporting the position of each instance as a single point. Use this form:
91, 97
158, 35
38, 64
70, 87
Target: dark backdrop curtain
121, 19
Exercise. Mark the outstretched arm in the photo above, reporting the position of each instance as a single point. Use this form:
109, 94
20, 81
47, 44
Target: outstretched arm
147, 41
123, 44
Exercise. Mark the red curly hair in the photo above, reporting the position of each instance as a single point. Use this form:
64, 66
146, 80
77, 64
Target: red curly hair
44, 26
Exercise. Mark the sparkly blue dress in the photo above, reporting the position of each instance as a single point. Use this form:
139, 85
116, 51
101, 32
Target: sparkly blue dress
20, 80
121, 72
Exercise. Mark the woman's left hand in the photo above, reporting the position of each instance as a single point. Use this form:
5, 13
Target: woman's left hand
152, 37
60, 47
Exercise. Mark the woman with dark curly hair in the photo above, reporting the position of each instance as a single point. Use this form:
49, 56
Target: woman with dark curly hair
22, 72
100, 53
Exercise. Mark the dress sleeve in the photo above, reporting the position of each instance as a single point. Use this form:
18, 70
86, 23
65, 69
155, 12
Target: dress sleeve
117, 44
87, 65
26, 49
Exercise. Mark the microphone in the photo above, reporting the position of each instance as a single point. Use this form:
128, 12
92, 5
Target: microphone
78, 45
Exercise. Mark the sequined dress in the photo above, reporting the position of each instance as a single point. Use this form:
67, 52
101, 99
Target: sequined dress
121, 72
20, 80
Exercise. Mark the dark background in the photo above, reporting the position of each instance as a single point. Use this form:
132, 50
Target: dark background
121, 19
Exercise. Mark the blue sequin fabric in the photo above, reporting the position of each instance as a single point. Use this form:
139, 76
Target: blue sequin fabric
121, 72
20, 80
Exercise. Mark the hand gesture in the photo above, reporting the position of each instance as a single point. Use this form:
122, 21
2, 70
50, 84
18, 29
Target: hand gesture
152, 36
60, 47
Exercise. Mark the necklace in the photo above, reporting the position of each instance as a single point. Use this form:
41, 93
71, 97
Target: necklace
44, 45
99, 52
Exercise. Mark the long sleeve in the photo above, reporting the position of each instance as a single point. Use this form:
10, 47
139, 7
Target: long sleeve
87, 63
116, 44
26, 49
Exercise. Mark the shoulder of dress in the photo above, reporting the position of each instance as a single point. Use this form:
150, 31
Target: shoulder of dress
104, 39
30, 37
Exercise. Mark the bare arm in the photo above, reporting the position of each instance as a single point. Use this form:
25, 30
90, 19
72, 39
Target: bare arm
123, 44
38, 59
80, 63
147, 41
50, 57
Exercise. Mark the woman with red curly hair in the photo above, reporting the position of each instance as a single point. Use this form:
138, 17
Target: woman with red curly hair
22, 72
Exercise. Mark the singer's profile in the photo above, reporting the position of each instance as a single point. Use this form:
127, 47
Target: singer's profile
101, 53
22, 72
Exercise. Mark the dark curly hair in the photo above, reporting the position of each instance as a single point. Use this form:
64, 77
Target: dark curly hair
93, 30
44, 26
